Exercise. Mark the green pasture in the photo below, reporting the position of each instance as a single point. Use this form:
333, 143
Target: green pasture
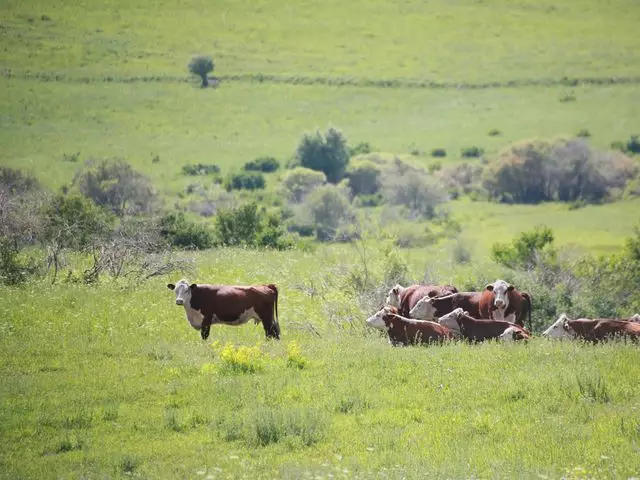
112, 382
466, 40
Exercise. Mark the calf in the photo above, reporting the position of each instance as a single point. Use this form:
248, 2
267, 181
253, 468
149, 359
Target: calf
404, 299
406, 331
478, 330
512, 334
206, 305
430, 308
593, 330
501, 301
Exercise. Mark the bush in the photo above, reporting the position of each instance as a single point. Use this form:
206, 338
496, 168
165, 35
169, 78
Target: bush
200, 169
364, 177
250, 227
180, 232
471, 152
434, 167
116, 186
563, 170
361, 148
583, 133
374, 200
17, 182
526, 251
300, 181
326, 153
201, 65
262, 164
438, 152
633, 145
330, 211
244, 181
494, 132
419, 194
14, 268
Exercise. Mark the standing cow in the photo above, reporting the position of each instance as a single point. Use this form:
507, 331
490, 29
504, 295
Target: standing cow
404, 299
501, 301
206, 305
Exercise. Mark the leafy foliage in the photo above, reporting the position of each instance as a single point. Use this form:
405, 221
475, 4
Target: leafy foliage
364, 177
330, 211
248, 226
414, 190
200, 169
262, 164
245, 181
300, 181
180, 232
116, 186
525, 252
471, 152
326, 153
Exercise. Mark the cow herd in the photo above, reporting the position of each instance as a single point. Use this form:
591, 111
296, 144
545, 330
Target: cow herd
418, 314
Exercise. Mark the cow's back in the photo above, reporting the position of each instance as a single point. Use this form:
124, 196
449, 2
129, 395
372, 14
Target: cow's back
412, 294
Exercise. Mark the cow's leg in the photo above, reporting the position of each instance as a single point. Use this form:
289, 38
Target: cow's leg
206, 327
270, 324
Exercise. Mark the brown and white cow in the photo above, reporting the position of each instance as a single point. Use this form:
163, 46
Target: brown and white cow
473, 329
593, 330
430, 308
405, 298
514, 334
207, 305
407, 331
501, 301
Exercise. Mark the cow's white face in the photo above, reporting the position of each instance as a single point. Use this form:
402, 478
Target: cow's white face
393, 297
509, 335
377, 319
501, 290
450, 320
424, 309
559, 329
182, 290
635, 318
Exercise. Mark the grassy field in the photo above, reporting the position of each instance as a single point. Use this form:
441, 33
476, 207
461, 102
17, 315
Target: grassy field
113, 382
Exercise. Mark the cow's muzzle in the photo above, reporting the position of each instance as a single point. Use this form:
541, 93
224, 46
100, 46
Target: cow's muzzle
499, 303
179, 302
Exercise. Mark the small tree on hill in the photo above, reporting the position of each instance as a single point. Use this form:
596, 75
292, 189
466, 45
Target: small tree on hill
201, 65
326, 153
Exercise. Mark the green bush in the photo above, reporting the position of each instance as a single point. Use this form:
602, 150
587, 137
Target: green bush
15, 268
360, 149
248, 226
326, 153
526, 251
200, 169
471, 152
438, 152
262, 164
300, 181
180, 232
329, 209
245, 181
364, 177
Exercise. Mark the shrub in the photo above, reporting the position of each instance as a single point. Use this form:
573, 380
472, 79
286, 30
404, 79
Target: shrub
361, 148
563, 170
116, 186
262, 164
374, 200
201, 65
14, 267
434, 167
300, 181
326, 153
248, 226
330, 211
200, 169
583, 133
244, 180
494, 132
17, 182
471, 152
633, 144
180, 232
438, 152
364, 177
526, 251
412, 189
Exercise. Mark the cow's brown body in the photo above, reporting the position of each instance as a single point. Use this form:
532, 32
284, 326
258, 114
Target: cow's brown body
519, 306
468, 301
230, 305
408, 331
412, 294
601, 329
478, 330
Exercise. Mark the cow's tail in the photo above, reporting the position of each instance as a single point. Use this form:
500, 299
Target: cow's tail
275, 307
527, 297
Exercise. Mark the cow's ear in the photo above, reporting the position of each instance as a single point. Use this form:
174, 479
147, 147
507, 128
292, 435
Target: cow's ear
170, 286
509, 288
489, 287
193, 285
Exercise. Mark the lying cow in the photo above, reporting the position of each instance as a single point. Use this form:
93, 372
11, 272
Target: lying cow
406, 331
501, 301
206, 305
461, 323
430, 308
513, 334
593, 330
404, 299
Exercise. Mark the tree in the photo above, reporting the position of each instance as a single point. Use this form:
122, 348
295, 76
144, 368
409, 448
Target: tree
415, 191
364, 177
201, 65
300, 181
526, 251
326, 153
